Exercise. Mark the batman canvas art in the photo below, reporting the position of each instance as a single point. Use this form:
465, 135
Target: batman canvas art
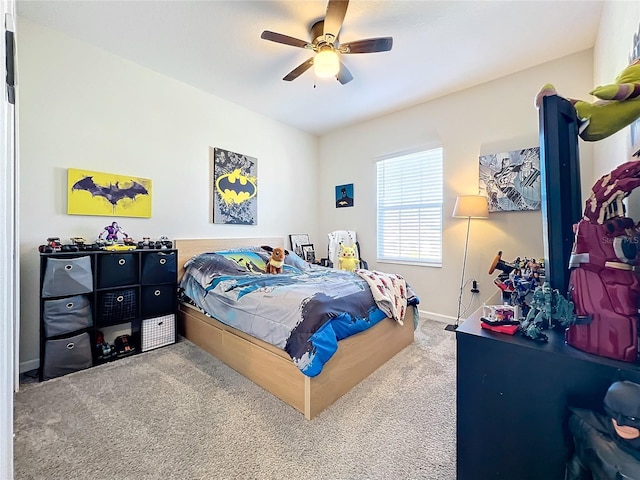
113, 192
235, 188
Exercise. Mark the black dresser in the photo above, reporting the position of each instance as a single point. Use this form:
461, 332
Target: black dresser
512, 399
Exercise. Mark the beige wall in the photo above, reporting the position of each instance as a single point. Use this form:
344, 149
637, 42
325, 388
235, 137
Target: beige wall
81, 107
491, 118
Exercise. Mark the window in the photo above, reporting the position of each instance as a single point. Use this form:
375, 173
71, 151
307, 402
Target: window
410, 208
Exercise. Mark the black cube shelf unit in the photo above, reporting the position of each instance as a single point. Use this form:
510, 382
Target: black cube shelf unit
84, 293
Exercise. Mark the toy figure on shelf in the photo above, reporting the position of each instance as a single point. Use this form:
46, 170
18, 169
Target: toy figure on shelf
111, 232
548, 309
517, 280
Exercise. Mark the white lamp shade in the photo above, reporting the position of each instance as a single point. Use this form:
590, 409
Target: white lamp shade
471, 206
326, 63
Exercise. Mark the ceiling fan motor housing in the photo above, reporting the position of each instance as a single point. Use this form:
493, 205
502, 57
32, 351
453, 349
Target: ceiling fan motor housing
317, 34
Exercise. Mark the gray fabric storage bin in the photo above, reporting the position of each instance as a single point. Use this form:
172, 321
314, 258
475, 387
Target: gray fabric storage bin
66, 355
66, 315
67, 276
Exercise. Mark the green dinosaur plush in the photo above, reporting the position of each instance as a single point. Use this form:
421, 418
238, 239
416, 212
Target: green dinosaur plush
618, 105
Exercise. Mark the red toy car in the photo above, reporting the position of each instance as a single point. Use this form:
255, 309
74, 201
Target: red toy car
53, 245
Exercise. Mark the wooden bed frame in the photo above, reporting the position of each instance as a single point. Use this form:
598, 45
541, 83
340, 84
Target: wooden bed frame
272, 368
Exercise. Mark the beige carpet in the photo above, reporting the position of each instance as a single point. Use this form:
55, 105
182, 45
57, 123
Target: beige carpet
178, 413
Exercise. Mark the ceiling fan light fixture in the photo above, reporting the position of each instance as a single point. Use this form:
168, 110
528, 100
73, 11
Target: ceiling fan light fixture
326, 63
324, 37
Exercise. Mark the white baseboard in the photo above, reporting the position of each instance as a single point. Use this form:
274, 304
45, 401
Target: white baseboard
436, 316
494, 299
29, 365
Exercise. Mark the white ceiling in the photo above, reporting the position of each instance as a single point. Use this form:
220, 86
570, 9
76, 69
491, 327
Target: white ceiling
438, 47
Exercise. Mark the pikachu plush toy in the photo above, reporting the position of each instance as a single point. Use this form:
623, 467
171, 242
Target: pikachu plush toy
348, 259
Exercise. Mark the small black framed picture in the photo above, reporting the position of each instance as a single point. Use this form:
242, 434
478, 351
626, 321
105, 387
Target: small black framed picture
308, 253
297, 240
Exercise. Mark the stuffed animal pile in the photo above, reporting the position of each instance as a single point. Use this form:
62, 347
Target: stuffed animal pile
348, 259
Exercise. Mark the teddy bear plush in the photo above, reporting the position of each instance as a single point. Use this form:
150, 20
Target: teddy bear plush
617, 105
276, 261
348, 259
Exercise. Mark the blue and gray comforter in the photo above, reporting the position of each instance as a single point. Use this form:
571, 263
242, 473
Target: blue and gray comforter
304, 310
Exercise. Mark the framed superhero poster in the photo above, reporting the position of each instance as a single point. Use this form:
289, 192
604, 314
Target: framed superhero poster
511, 180
234, 187
107, 194
344, 195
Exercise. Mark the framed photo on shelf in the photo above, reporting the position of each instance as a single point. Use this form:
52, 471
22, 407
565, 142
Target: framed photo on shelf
297, 240
308, 253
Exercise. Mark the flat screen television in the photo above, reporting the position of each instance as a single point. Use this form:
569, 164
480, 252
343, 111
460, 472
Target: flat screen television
561, 192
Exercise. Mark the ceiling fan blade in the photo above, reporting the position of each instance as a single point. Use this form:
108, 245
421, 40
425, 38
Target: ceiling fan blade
336, 10
344, 75
369, 45
285, 39
299, 70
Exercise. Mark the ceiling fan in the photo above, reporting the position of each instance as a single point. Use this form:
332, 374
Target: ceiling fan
327, 48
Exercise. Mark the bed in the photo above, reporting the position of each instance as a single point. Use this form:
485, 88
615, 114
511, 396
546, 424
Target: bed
272, 367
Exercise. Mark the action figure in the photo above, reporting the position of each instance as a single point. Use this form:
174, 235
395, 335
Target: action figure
548, 309
112, 232
518, 279
607, 447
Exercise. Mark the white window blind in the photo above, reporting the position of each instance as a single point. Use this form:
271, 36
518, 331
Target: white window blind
410, 208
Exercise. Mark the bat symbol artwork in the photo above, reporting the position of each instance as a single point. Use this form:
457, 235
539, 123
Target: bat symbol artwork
235, 187
113, 192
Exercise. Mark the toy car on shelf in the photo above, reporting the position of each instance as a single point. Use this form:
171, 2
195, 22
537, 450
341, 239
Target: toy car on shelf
164, 242
501, 318
53, 245
146, 243
104, 350
117, 247
124, 346
500, 313
82, 245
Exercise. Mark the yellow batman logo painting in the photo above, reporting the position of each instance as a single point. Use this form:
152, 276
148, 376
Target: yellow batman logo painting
235, 187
